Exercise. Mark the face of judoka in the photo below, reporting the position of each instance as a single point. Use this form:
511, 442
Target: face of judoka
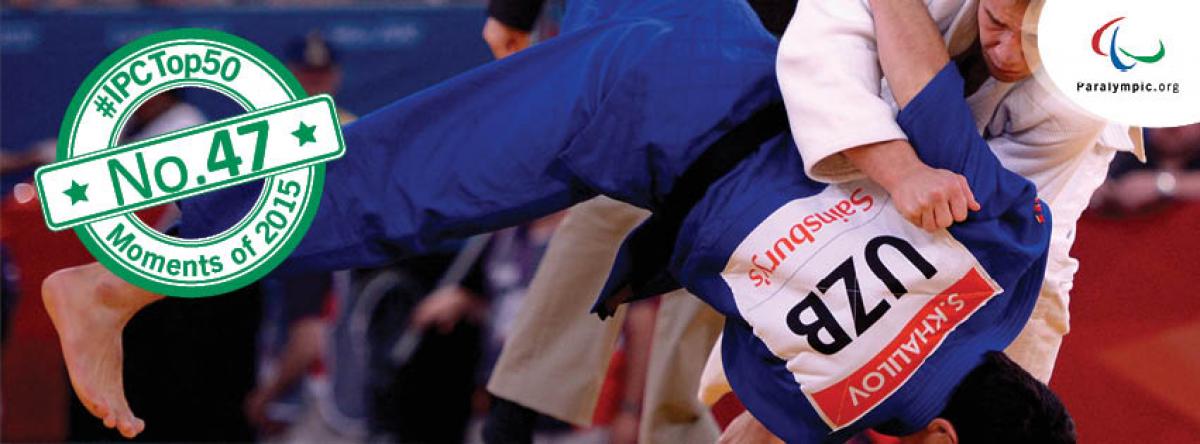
1000, 36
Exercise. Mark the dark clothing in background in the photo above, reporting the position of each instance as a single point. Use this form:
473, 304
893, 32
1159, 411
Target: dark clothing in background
774, 14
8, 292
306, 296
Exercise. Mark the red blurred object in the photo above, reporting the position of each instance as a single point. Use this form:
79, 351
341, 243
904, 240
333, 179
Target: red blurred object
610, 392
727, 408
32, 374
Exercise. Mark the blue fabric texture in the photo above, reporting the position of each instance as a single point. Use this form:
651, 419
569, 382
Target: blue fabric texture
1006, 237
620, 104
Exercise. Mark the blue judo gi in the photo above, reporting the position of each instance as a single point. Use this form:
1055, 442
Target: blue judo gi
621, 104
840, 314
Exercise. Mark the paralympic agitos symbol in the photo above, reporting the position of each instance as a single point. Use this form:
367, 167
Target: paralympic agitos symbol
1113, 48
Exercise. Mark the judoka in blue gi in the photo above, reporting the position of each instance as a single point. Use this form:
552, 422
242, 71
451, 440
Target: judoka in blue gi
841, 315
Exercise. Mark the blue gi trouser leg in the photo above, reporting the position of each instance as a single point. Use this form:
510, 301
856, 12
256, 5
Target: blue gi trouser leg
597, 110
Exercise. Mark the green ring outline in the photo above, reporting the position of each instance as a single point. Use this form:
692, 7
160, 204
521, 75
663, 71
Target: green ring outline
176, 289
123, 120
256, 270
250, 55
199, 83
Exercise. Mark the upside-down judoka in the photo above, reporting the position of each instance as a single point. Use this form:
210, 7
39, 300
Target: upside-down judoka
841, 314
871, 319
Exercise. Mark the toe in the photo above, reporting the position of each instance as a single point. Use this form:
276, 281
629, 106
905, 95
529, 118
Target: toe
132, 427
98, 409
128, 428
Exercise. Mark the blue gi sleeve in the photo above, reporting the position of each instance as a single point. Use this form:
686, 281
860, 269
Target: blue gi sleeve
473, 154
1011, 233
942, 130
619, 107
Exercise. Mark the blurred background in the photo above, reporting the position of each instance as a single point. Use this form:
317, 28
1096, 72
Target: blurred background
401, 354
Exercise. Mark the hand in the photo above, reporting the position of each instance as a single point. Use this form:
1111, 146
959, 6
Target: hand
929, 198
503, 39
444, 309
1102, 197
932, 199
255, 408
746, 430
624, 428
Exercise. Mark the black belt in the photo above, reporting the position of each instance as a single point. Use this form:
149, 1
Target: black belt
645, 254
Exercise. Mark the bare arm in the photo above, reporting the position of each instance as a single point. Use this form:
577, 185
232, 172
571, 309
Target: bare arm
826, 63
639, 334
927, 197
887, 163
911, 51
305, 344
829, 76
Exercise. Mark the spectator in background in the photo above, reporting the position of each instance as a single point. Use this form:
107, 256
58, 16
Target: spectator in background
161, 114
513, 25
286, 404
291, 343
508, 266
556, 338
175, 340
401, 356
509, 25
421, 368
505, 268
508, 269
314, 63
40, 153
1172, 173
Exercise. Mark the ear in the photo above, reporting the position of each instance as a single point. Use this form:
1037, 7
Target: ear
941, 431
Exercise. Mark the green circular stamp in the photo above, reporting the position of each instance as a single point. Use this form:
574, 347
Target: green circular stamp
283, 140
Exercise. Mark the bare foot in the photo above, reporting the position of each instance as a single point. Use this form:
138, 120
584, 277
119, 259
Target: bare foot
90, 307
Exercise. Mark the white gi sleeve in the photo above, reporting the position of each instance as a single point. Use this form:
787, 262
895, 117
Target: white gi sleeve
828, 69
